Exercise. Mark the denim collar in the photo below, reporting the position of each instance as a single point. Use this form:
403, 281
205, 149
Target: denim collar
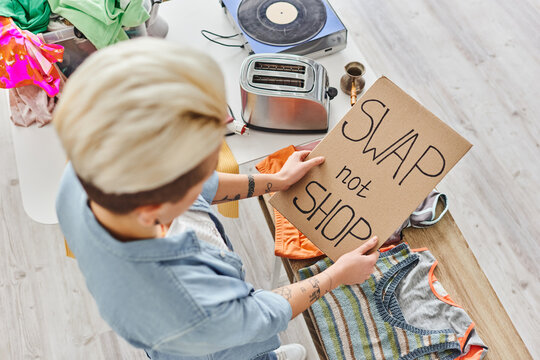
145, 250
200, 205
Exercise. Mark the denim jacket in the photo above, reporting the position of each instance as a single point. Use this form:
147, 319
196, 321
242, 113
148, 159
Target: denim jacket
176, 297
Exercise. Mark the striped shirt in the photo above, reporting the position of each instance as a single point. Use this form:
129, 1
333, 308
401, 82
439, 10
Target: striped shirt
364, 321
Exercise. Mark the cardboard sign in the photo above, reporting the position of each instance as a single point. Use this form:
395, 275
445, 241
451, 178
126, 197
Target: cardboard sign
382, 160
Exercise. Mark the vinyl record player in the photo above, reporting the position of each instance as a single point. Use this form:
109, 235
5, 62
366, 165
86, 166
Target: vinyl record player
302, 27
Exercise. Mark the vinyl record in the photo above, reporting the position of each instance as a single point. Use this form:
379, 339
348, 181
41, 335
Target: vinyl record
282, 22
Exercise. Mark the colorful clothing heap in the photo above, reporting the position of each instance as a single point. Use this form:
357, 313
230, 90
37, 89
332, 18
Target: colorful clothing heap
26, 60
31, 15
367, 322
101, 21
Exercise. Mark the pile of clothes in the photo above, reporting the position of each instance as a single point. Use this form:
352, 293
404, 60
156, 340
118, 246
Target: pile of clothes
34, 69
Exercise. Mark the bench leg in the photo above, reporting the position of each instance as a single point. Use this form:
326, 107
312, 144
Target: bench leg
276, 273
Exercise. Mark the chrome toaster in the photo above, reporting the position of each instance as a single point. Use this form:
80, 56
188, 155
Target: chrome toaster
285, 93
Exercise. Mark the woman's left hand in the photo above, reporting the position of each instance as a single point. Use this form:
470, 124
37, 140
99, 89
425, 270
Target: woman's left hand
295, 168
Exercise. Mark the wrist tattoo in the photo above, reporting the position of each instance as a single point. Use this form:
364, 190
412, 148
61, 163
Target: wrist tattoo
251, 186
268, 188
227, 198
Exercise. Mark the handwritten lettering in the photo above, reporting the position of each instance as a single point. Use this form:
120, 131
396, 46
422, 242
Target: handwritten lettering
333, 216
308, 186
400, 148
424, 171
354, 182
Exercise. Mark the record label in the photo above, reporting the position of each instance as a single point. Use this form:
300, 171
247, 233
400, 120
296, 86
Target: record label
281, 12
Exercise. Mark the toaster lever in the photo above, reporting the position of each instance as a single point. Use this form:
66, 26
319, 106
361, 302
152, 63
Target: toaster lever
331, 92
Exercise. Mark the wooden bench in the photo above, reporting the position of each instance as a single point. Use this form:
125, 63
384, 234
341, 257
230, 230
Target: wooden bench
459, 273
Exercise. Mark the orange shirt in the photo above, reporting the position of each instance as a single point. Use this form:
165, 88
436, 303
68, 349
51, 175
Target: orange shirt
289, 241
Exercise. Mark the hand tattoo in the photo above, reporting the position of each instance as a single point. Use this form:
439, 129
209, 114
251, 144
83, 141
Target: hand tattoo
284, 291
251, 186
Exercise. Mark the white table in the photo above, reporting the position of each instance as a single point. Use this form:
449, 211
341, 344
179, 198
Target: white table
41, 160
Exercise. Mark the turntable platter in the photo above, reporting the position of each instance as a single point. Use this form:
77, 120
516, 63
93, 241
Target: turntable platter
282, 22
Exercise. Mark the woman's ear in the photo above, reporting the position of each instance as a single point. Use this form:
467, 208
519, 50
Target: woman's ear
148, 215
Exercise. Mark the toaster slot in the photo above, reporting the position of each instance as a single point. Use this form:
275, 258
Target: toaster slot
269, 66
276, 80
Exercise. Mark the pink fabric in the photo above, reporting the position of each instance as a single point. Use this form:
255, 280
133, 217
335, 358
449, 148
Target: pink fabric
30, 104
25, 59
309, 146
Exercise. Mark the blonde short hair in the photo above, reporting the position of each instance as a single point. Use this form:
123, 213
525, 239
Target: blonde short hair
137, 115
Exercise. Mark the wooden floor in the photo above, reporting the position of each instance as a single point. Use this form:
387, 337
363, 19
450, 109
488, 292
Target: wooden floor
475, 64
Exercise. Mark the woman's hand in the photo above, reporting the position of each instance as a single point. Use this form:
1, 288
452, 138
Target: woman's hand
355, 267
295, 168
351, 268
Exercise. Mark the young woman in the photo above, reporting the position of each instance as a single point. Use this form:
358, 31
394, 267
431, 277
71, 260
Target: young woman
142, 123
